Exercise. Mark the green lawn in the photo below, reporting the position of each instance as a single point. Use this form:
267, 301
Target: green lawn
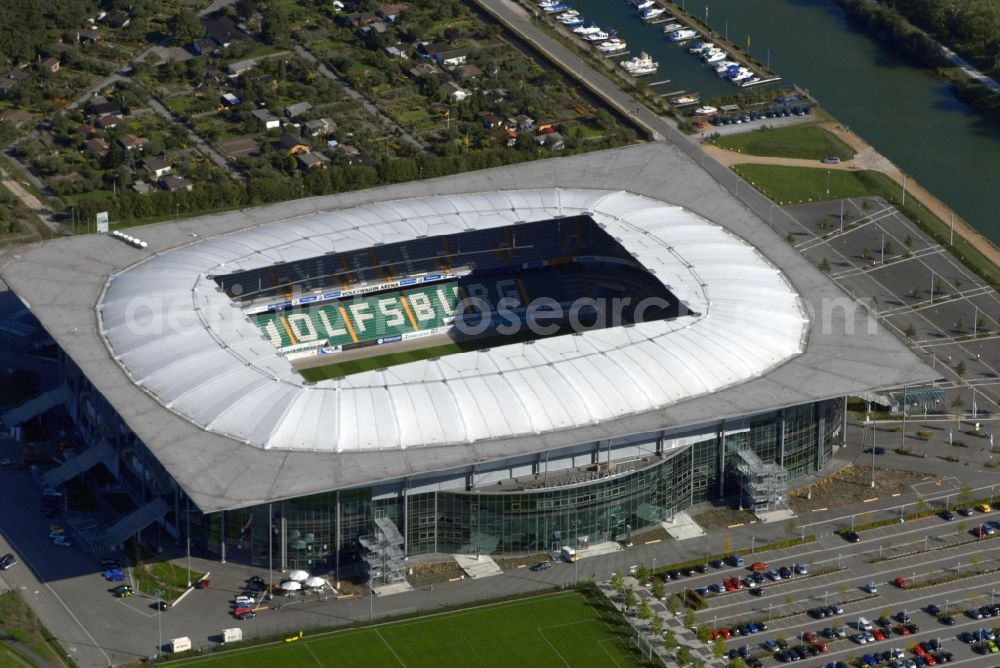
336, 370
797, 141
791, 185
31, 642
566, 629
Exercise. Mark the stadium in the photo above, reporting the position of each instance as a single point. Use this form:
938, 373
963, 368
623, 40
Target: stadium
502, 362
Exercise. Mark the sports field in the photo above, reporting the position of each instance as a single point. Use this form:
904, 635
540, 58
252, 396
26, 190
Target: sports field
566, 629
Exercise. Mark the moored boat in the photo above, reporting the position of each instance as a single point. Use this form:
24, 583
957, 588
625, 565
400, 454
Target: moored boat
706, 111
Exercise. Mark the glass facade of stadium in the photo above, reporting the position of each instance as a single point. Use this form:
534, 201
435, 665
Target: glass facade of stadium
535, 505
594, 491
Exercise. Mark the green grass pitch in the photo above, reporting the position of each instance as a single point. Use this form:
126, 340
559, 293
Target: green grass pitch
565, 629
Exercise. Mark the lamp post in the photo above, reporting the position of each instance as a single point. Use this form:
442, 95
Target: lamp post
188, 532
159, 627
753, 543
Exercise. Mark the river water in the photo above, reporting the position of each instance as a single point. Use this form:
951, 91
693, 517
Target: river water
906, 114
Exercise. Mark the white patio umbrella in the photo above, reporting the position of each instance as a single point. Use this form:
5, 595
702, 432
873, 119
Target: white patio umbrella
291, 585
298, 576
315, 581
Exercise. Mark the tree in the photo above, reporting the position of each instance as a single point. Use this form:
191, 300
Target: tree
642, 574
659, 589
727, 546
186, 27
630, 599
981, 324
618, 582
824, 266
888, 248
683, 656
965, 492
910, 331
866, 253
656, 625
690, 620
789, 600
704, 634
669, 640
719, 648
674, 604
960, 368
645, 612
790, 238
960, 324
908, 241
736, 663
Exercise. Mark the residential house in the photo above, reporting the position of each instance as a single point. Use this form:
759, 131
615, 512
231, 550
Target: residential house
230, 100
348, 151
118, 20
396, 52
88, 35
391, 12
297, 110
523, 123
203, 47
140, 187
157, 167
453, 91
378, 26
105, 108
425, 70
432, 49
452, 58
17, 75
176, 183
293, 144
495, 95
320, 126
108, 122
266, 118
551, 140
97, 147
360, 19
242, 67
132, 142
50, 64
311, 160
490, 120
507, 137
222, 30
6, 85
469, 72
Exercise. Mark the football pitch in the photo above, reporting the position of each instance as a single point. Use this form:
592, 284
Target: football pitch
565, 629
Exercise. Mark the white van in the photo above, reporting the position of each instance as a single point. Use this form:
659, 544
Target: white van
245, 602
864, 624
568, 554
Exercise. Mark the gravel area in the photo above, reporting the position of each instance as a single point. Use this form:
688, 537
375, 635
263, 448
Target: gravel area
851, 485
720, 518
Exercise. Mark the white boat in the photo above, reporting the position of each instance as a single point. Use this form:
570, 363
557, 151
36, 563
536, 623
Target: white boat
612, 46
552, 9
682, 35
701, 47
671, 27
751, 80
642, 60
714, 56
721, 68
643, 4
568, 15
575, 21
741, 74
651, 13
545, 4
645, 70
705, 111
586, 29
598, 36
685, 99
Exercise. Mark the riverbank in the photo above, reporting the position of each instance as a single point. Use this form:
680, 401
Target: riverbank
867, 158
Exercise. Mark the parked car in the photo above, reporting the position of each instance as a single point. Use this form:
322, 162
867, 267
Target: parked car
965, 512
948, 515
900, 582
542, 566
851, 537
122, 591
62, 541
6, 561
800, 569
984, 508
759, 567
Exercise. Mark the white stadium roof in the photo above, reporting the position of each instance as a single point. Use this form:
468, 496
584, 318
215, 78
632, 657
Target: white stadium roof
729, 365
184, 341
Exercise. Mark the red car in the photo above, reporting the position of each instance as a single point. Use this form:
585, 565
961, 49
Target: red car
821, 646
809, 637
759, 567
929, 658
901, 630
726, 634
900, 582
878, 634
918, 650
728, 584
241, 610
979, 532
716, 635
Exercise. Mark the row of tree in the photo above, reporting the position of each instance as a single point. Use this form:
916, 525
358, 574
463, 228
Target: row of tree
890, 27
970, 27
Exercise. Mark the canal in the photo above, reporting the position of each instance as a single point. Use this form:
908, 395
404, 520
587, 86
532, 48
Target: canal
906, 114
